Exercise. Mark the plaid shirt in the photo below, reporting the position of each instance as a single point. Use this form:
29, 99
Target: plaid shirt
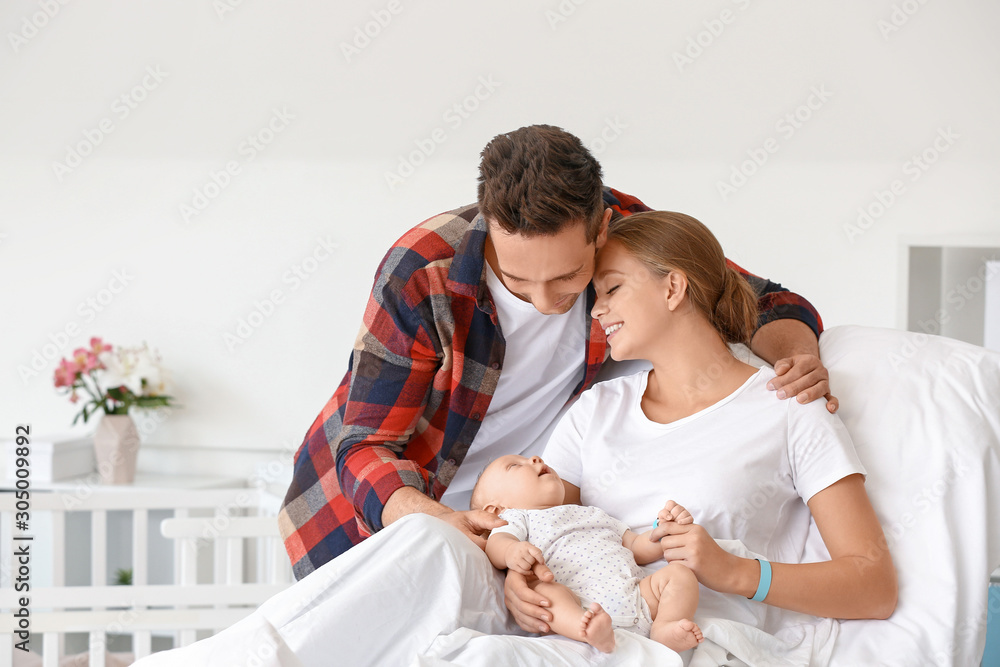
420, 379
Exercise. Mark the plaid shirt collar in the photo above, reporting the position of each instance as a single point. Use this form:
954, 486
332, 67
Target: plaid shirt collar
467, 275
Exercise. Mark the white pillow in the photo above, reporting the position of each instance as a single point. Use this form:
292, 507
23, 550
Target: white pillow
924, 413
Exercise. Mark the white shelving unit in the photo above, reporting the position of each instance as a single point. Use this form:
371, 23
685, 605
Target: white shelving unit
944, 285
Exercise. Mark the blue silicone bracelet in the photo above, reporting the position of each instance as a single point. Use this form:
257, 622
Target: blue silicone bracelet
765, 580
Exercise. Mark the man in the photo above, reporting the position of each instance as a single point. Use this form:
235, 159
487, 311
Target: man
474, 338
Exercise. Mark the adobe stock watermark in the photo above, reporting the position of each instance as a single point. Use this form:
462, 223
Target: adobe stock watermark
123, 622
365, 34
712, 30
900, 16
264, 309
756, 501
562, 12
608, 135
970, 630
275, 469
44, 357
260, 651
148, 421
223, 7
956, 299
454, 116
212, 527
249, 149
786, 127
621, 468
35, 23
923, 501
884, 198
121, 108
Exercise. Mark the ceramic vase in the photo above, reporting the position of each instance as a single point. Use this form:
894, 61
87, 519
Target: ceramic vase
116, 444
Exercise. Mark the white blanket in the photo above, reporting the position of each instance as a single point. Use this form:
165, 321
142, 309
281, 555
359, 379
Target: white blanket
924, 413
420, 593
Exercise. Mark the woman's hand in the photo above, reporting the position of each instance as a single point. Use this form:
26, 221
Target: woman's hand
528, 608
691, 545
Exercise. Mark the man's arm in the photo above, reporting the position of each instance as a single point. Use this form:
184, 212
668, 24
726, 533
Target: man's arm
395, 361
787, 337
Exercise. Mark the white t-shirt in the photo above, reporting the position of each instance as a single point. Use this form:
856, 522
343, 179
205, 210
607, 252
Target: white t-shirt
542, 364
744, 467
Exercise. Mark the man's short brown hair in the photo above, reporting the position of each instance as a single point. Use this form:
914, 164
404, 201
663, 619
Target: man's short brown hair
539, 178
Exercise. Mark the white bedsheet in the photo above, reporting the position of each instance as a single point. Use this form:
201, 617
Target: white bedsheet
925, 416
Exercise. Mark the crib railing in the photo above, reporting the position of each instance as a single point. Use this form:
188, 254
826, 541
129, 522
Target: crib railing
194, 602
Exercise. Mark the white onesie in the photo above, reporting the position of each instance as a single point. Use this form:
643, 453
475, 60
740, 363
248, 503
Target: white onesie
583, 548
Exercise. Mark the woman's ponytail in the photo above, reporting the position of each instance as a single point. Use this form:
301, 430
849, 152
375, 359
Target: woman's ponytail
735, 313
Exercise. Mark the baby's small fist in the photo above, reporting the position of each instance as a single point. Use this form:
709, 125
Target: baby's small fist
674, 512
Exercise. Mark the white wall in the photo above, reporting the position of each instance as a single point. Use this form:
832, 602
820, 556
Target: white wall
676, 132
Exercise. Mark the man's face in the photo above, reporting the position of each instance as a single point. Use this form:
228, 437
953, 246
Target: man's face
548, 271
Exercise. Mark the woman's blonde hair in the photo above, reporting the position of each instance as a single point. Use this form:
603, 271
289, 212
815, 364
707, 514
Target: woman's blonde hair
665, 241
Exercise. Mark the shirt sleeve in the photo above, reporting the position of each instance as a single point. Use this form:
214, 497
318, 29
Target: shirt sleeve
775, 302
820, 451
396, 356
517, 524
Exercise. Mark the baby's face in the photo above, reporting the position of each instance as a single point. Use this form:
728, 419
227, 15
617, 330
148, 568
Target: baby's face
518, 482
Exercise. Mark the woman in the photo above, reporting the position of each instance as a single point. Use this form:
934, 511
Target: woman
701, 428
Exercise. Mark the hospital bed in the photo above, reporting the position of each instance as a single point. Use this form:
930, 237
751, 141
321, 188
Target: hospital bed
924, 413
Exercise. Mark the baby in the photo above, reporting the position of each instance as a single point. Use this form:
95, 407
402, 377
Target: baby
593, 557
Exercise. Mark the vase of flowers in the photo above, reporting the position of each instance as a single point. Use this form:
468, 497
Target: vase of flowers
110, 381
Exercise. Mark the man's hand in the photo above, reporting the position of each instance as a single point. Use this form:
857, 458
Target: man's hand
528, 608
475, 524
805, 377
792, 349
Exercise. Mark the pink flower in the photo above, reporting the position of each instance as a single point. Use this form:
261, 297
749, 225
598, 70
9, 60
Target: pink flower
97, 346
66, 373
85, 359
73, 398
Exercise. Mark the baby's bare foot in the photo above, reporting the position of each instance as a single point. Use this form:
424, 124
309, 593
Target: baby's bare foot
596, 630
677, 635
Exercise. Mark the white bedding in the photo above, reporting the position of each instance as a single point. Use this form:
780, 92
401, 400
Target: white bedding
924, 413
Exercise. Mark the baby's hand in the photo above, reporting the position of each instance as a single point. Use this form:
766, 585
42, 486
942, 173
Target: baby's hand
523, 556
674, 512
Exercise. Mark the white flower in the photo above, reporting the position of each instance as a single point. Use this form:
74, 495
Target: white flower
131, 367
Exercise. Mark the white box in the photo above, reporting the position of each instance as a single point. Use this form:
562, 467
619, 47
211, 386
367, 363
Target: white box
52, 457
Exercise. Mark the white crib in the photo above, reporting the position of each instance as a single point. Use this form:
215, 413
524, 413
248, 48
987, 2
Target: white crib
184, 610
